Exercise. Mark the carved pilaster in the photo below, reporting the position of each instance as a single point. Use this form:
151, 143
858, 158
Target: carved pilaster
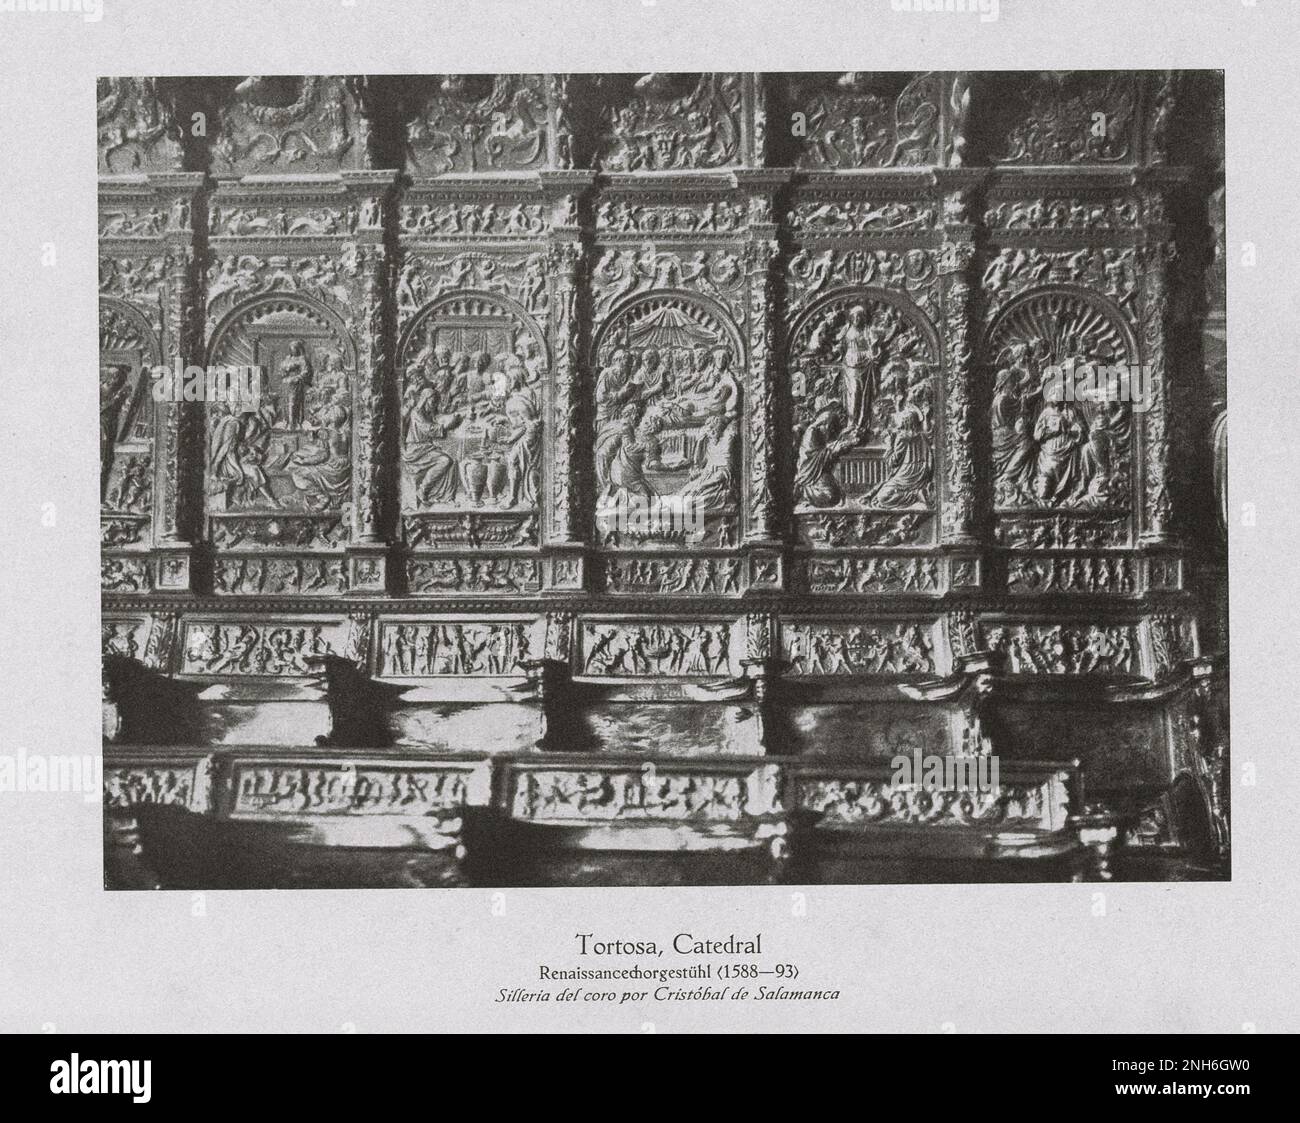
761, 253
370, 195
957, 490
760, 527
179, 423
565, 261
1155, 259
756, 91
559, 139
566, 258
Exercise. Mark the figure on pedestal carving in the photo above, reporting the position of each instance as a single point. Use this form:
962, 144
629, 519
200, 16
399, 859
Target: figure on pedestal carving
874, 449
295, 378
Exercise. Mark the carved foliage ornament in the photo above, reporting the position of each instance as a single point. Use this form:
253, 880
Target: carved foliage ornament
136, 130
669, 122
289, 124
860, 120
479, 123
1069, 117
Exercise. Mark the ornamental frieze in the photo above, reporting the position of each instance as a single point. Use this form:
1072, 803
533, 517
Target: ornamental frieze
835, 648
859, 120
669, 122
494, 649
683, 649
292, 646
476, 123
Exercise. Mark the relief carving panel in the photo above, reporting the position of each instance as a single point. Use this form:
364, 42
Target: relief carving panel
1058, 443
863, 120
669, 122
474, 369
289, 125
286, 450
667, 413
862, 378
478, 123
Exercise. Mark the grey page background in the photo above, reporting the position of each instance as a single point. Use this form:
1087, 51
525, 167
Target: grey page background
1205, 957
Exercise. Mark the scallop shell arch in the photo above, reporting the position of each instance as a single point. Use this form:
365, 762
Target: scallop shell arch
1071, 322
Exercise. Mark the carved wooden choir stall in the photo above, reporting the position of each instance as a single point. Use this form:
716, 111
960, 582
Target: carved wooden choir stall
554, 479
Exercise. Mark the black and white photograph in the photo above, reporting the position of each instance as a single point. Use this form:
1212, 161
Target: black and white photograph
665, 478
605, 520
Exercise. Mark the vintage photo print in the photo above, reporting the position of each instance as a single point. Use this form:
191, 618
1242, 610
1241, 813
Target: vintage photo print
742, 478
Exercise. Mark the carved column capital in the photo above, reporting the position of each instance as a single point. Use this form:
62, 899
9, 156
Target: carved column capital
564, 191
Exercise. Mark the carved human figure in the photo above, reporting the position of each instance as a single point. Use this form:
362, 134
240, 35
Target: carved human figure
132, 489
860, 348
522, 437
241, 441
712, 483
1061, 435
822, 442
322, 471
908, 460
1013, 446
114, 394
295, 379
623, 454
614, 388
424, 425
